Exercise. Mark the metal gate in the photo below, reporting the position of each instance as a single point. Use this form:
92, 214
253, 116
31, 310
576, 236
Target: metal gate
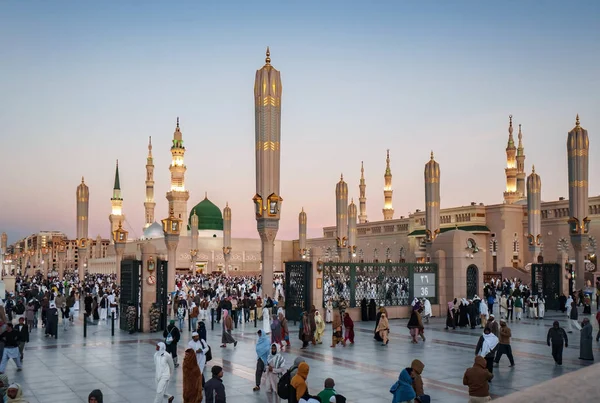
297, 289
545, 281
130, 289
162, 280
472, 281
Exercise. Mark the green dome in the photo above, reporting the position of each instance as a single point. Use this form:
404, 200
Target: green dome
209, 216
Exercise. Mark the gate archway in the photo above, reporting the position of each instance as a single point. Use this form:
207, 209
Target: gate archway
472, 281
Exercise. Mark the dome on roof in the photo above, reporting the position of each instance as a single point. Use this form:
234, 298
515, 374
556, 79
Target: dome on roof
209, 216
154, 231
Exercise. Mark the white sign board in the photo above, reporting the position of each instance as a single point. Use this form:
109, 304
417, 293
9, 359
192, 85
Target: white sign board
424, 285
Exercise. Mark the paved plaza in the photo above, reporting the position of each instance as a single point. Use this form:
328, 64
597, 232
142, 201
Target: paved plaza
67, 369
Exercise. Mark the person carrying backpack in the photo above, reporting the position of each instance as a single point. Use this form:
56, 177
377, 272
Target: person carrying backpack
285, 390
172, 337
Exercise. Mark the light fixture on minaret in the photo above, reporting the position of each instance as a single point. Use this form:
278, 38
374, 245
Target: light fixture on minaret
432, 199
534, 218
149, 203
362, 199
388, 211
178, 196
116, 216
578, 146
267, 199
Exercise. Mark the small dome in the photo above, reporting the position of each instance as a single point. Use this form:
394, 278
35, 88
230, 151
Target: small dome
209, 216
154, 231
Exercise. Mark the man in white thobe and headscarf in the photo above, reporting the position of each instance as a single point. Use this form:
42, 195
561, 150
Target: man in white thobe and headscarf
266, 321
165, 368
201, 348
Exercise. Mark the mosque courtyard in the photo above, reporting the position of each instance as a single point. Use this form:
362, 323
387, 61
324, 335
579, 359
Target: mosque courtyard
66, 370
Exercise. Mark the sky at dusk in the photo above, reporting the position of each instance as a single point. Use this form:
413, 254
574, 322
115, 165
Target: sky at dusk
83, 84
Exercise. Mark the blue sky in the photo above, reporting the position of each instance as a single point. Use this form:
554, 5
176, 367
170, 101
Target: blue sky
86, 83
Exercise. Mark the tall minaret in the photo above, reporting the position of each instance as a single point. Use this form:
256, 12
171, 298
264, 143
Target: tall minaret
341, 213
362, 198
521, 167
83, 206
351, 230
149, 203
578, 147
388, 211
511, 195
227, 236
267, 200
534, 218
178, 196
116, 216
432, 199
302, 233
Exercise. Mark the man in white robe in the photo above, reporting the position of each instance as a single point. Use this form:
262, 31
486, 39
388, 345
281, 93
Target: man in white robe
165, 368
201, 348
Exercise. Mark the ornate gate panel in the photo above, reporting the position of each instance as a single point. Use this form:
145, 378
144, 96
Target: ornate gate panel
297, 289
130, 289
161, 292
545, 280
472, 281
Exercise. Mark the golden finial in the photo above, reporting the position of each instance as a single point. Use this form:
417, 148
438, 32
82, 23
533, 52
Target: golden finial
432, 155
342, 177
205, 195
577, 121
510, 128
82, 179
533, 169
178, 122
303, 209
268, 58
226, 204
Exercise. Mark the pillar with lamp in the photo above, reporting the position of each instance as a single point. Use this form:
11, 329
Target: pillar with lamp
82, 253
120, 241
302, 234
171, 229
45, 260
227, 237
578, 146
352, 217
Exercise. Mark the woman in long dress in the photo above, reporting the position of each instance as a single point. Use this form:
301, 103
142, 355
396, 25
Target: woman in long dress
450, 322
348, 328
52, 320
336, 326
585, 341
320, 329
226, 337
382, 311
383, 329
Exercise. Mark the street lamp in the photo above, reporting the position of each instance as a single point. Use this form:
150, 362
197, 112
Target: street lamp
120, 240
171, 228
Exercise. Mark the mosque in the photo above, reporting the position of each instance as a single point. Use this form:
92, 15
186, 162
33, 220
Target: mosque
470, 243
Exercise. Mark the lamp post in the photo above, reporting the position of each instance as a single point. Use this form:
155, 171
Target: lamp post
30, 254
120, 239
171, 229
62, 252
45, 260
82, 248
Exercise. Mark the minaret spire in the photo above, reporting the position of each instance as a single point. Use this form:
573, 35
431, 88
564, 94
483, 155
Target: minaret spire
149, 203
178, 196
388, 211
521, 176
268, 58
116, 202
511, 195
362, 198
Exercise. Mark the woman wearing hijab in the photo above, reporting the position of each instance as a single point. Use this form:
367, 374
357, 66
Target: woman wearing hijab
364, 313
52, 320
348, 328
336, 326
276, 331
298, 382
328, 311
275, 367
163, 372
383, 329
14, 394
194, 312
226, 337
320, 330
486, 348
192, 378
382, 311
306, 333
285, 331
414, 325
402, 390
372, 309
450, 316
